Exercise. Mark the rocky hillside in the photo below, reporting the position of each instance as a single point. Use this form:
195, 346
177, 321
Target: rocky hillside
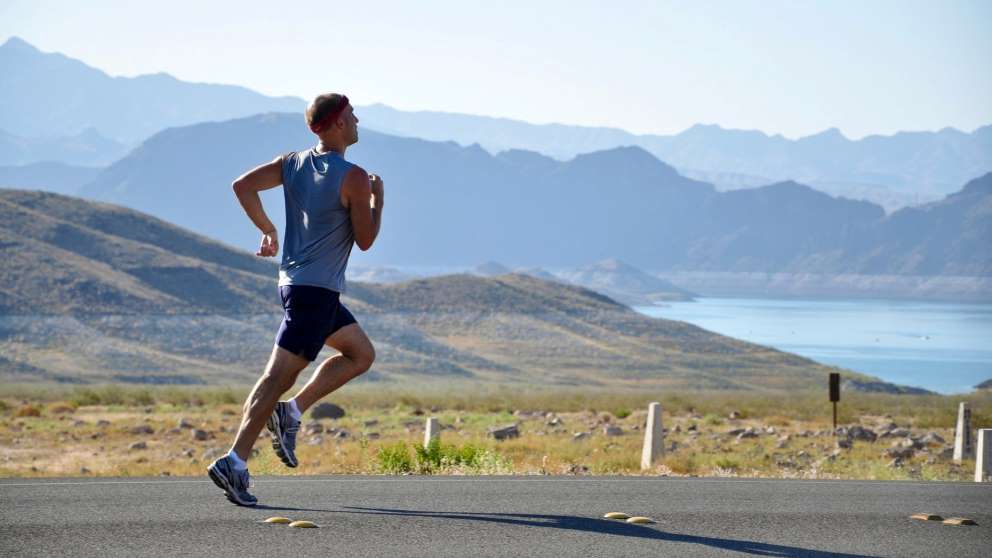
96, 293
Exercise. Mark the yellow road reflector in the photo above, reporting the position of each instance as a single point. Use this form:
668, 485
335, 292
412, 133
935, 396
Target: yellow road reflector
278, 520
959, 521
640, 519
616, 515
303, 524
926, 517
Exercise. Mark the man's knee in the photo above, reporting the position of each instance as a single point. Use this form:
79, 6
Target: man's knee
363, 358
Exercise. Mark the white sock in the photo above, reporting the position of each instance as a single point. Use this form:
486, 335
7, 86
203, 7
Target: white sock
239, 464
294, 409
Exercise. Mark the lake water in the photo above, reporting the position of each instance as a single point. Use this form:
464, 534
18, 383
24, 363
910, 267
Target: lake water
943, 347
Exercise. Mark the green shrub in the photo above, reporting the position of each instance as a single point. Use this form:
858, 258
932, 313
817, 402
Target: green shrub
621, 413
713, 419
727, 463
394, 459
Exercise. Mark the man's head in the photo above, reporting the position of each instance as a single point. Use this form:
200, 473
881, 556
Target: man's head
332, 117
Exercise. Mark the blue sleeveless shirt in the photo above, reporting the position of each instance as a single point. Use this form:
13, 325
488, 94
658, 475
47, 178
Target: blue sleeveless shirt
319, 236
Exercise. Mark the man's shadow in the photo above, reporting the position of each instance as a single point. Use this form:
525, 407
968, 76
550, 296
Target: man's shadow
611, 527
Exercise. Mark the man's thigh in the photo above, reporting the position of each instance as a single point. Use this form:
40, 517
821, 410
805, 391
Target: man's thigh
350, 340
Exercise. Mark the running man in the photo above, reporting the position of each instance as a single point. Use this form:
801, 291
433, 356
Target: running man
331, 204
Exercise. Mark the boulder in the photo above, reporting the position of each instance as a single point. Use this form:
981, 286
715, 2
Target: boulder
328, 411
899, 453
138, 446
199, 435
504, 432
579, 436
861, 433
612, 430
183, 423
142, 429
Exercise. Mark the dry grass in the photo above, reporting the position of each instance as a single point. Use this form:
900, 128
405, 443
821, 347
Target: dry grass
87, 431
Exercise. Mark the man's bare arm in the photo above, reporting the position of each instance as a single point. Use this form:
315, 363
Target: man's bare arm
362, 194
247, 187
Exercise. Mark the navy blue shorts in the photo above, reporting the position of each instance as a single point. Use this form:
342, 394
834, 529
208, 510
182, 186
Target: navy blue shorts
311, 315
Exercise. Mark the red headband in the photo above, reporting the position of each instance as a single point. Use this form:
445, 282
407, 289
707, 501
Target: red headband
318, 127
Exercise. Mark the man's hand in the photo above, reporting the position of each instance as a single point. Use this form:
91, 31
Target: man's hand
375, 182
270, 244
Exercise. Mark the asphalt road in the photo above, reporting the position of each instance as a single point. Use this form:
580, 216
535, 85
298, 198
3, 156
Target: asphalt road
492, 516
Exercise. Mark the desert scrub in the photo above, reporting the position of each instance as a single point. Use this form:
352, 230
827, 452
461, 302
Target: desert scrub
441, 458
394, 459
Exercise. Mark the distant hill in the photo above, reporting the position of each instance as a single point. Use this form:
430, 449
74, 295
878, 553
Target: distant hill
625, 283
906, 168
52, 176
450, 205
87, 148
903, 169
96, 293
49, 94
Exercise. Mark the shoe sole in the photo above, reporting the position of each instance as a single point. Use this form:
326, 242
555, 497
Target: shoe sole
273, 426
222, 483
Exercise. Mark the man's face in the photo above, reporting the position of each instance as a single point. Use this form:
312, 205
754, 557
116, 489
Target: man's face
351, 125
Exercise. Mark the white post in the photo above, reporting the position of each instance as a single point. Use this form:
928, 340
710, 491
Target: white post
983, 457
962, 434
653, 443
431, 431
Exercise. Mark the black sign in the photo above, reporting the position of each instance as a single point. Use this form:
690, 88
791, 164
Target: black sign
835, 386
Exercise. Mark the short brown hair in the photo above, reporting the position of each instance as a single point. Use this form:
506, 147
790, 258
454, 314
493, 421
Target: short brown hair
321, 106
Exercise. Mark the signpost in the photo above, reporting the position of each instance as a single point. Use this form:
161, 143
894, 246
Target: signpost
835, 395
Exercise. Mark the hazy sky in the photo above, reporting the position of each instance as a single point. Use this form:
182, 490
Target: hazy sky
794, 67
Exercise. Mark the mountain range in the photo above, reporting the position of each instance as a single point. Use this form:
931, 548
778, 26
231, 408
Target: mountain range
53, 107
94, 293
448, 205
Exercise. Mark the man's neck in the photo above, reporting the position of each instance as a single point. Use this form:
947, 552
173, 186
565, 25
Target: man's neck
324, 147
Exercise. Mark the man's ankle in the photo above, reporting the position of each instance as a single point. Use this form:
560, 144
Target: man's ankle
294, 409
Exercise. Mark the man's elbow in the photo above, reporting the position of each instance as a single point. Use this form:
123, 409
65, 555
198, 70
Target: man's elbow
238, 187
364, 245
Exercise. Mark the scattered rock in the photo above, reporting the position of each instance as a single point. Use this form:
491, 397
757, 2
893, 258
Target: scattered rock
895, 463
692, 428
84, 471
579, 436
187, 453
138, 446
555, 421
342, 434
574, 469
770, 430
315, 440
142, 429
312, 428
899, 452
748, 433
932, 438
859, 432
102, 423
895, 433
371, 435
199, 435
210, 454
370, 423
612, 430
78, 423
844, 443
678, 428
735, 431
505, 432
183, 423
332, 411
947, 453
734, 415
